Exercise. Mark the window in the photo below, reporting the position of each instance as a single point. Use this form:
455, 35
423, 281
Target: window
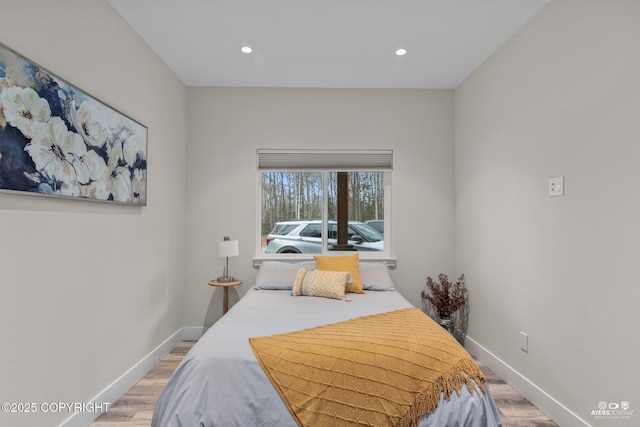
307, 196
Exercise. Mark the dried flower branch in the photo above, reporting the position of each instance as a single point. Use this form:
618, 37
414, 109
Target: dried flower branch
446, 297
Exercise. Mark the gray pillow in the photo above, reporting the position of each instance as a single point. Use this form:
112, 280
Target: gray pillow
375, 276
276, 275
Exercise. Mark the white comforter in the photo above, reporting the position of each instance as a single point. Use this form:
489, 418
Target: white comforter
220, 383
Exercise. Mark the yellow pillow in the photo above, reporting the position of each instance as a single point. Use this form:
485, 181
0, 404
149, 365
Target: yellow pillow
350, 263
315, 283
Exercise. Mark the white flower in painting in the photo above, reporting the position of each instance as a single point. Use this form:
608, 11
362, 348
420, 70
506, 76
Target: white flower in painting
132, 150
97, 189
127, 148
24, 109
72, 189
50, 162
54, 150
121, 184
83, 119
90, 167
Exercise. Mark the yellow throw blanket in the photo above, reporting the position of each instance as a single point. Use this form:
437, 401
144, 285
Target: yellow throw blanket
386, 369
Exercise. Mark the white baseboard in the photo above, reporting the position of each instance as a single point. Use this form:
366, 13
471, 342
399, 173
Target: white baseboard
192, 333
120, 386
555, 410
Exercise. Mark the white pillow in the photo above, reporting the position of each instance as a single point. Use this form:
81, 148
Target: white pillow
375, 276
279, 274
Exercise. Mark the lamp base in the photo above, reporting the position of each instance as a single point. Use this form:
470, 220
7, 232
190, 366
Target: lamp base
222, 279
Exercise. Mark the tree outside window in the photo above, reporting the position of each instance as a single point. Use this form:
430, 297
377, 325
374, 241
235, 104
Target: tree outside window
291, 212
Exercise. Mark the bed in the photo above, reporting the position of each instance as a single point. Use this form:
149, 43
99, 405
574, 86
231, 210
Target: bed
220, 382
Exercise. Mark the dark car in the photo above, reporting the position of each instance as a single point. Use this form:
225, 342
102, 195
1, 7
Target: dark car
376, 224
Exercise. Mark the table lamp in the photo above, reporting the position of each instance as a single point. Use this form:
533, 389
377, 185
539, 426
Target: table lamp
227, 248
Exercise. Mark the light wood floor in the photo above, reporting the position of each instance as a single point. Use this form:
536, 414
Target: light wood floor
136, 406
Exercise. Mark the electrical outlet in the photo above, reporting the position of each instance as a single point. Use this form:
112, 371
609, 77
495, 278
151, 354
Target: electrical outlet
524, 342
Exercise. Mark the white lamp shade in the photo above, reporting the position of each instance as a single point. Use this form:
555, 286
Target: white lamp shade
227, 248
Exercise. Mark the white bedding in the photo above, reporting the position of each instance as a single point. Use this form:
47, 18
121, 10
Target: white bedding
220, 383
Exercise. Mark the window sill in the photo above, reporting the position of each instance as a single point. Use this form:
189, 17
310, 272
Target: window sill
391, 262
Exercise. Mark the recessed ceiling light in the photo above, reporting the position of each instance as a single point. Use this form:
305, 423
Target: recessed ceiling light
246, 49
401, 52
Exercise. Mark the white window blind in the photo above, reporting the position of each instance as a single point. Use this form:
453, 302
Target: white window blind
325, 159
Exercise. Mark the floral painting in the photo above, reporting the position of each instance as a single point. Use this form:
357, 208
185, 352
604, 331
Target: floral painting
57, 140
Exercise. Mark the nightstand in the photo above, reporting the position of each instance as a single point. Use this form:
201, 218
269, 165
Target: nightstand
226, 286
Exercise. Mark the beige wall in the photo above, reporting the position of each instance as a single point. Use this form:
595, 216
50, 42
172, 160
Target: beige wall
89, 289
560, 98
226, 126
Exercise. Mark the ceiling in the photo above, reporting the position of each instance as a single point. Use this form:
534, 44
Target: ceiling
325, 43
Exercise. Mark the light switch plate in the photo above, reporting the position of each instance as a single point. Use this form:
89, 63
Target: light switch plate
556, 186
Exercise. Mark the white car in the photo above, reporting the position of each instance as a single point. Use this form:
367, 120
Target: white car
305, 237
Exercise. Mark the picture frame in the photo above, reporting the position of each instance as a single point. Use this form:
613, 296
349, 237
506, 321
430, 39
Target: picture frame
57, 140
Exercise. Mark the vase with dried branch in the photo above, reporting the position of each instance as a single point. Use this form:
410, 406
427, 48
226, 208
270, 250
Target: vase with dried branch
446, 298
